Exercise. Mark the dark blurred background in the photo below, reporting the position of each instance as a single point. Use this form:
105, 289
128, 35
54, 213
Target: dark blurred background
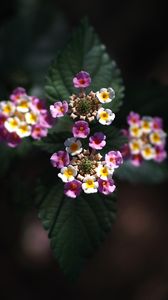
133, 262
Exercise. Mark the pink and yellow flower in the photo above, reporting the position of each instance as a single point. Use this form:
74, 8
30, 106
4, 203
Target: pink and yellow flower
81, 129
90, 185
59, 109
72, 188
82, 80
113, 159
106, 187
133, 118
97, 141
67, 173
60, 159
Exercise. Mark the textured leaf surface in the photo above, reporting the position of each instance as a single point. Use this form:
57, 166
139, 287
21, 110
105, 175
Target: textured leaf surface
76, 227
83, 52
148, 172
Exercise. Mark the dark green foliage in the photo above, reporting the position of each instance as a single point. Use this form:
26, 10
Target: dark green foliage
76, 227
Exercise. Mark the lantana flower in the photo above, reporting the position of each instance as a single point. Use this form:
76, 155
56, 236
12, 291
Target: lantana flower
105, 116
60, 159
105, 95
82, 168
23, 116
73, 146
59, 109
97, 141
146, 139
106, 187
81, 129
82, 80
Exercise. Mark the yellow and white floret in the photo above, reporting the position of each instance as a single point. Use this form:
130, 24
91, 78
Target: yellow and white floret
23, 105
31, 118
105, 95
105, 116
135, 146
148, 152
23, 130
7, 108
146, 124
157, 137
67, 173
90, 185
73, 146
135, 131
12, 124
104, 172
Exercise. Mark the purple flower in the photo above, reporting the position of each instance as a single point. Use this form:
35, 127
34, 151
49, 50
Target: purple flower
59, 109
38, 132
45, 119
2, 120
17, 93
82, 80
133, 118
37, 104
106, 186
157, 123
97, 141
161, 154
81, 129
72, 189
113, 159
13, 140
60, 159
136, 160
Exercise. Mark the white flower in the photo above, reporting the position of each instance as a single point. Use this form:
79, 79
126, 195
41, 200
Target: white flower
11, 124
135, 146
135, 131
104, 172
90, 185
148, 152
23, 105
105, 95
7, 108
146, 124
105, 116
67, 173
31, 118
73, 146
23, 130
157, 137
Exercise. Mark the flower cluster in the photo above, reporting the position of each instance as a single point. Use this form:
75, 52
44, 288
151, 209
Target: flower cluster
146, 139
83, 168
87, 107
23, 116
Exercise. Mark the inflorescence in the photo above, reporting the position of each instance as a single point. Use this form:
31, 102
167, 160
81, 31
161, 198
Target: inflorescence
146, 139
23, 116
80, 168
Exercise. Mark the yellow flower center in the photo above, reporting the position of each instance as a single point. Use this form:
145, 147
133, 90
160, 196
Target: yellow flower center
146, 125
14, 123
24, 104
104, 115
105, 96
7, 109
155, 137
135, 146
104, 171
147, 151
74, 147
23, 128
90, 183
68, 173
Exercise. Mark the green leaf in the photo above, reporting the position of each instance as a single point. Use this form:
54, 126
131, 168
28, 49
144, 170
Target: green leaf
149, 172
76, 227
53, 142
83, 52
